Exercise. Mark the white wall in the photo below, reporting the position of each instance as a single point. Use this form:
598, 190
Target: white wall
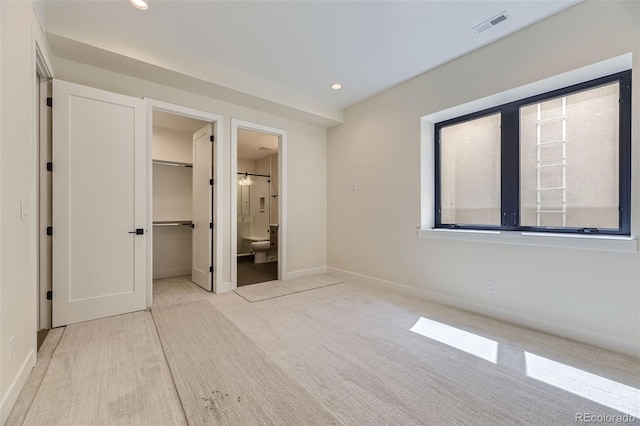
172, 145
587, 295
246, 165
18, 242
172, 251
306, 158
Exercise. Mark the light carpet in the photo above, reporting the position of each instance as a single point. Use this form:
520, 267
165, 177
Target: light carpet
273, 289
352, 353
108, 372
368, 357
176, 290
28, 393
224, 378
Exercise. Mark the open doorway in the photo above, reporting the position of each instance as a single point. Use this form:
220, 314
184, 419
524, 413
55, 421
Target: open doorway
257, 196
257, 200
184, 197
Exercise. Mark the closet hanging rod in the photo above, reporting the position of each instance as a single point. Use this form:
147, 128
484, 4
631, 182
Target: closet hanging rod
171, 163
169, 223
252, 174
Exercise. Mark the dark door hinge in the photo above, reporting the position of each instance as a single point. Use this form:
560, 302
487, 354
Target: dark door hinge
49, 166
211, 225
49, 295
210, 268
49, 102
211, 138
49, 230
211, 182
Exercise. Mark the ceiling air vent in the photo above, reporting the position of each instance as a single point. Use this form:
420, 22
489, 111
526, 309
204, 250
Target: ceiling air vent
489, 23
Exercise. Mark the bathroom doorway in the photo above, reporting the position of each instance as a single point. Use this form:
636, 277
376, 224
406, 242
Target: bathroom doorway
257, 201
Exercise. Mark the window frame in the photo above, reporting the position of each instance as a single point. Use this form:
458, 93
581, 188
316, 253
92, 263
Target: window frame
510, 160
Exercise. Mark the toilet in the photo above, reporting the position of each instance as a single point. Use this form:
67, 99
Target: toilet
260, 249
265, 250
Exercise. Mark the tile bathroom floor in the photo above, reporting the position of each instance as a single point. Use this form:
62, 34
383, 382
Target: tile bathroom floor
252, 273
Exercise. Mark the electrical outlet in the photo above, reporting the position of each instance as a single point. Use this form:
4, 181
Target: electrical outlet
353, 186
11, 340
492, 287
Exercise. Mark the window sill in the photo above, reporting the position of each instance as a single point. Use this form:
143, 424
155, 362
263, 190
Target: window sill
572, 241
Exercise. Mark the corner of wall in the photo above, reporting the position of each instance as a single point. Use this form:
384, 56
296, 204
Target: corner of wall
305, 273
10, 398
580, 335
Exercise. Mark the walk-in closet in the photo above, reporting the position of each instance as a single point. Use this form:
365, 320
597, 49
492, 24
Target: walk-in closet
182, 198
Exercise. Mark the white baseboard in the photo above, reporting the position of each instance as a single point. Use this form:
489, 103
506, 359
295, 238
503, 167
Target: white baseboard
607, 342
10, 398
223, 287
304, 273
168, 273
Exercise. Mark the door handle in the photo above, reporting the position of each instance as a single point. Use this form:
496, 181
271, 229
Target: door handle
138, 231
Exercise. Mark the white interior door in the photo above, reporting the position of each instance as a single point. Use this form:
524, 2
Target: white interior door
202, 266
99, 199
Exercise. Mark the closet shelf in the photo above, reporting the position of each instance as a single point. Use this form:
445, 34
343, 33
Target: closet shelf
173, 223
171, 163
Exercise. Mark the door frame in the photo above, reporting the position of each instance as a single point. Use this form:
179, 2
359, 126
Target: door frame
43, 70
217, 121
282, 195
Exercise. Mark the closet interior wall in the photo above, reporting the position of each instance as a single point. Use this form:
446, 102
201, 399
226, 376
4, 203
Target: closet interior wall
172, 202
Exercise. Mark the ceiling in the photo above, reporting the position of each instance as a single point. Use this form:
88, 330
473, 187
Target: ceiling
250, 142
177, 122
283, 54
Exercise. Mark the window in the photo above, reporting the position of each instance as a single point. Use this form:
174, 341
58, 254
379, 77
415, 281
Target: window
555, 162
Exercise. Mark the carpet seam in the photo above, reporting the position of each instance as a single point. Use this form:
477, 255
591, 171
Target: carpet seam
242, 296
289, 294
164, 354
264, 351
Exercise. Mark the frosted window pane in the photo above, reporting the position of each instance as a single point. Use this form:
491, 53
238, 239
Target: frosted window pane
570, 178
470, 172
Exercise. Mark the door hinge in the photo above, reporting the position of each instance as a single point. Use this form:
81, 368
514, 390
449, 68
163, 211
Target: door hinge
50, 295
210, 268
49, 230
211, 138
49, 102
49, 166
211, 225
211, 182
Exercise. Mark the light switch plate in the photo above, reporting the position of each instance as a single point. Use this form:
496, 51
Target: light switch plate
24, 210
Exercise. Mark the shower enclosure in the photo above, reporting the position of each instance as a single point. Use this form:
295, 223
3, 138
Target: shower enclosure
253, 210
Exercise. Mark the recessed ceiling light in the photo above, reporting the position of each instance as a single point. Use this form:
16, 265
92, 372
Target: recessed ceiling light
139, 4
336, 86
